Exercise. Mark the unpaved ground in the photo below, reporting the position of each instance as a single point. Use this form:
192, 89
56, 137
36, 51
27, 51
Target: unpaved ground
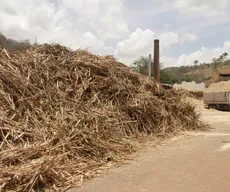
192, 162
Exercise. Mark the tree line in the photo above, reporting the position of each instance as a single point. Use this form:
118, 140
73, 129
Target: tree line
13, 45
172, 75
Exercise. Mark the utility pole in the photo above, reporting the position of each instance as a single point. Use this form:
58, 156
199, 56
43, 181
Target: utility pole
150, 65
35, 40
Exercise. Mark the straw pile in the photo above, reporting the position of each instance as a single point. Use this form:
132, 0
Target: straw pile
197, 94
65, 114
223, 86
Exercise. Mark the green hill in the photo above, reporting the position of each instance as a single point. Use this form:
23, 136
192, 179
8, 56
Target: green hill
198, 73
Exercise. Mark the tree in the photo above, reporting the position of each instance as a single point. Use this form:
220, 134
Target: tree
225, 54
196, 62
141, 65
215, 64
220, 60
164, 77
221, 57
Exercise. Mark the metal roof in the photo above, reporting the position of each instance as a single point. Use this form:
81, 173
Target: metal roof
224, 74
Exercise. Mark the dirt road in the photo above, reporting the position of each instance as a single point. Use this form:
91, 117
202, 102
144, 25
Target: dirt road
192, 162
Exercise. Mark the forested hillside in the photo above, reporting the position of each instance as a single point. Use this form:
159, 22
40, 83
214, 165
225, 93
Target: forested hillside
12, 45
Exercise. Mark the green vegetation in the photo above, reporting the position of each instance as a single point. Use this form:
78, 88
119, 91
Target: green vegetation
199, 72
141, 66
217, 62
12, 45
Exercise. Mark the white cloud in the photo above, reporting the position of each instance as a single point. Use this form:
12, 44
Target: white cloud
140, 43
188, 37
103, 16
205, 7
196, 8
82, 23
202, 55
168, 39
95, 23
88, 40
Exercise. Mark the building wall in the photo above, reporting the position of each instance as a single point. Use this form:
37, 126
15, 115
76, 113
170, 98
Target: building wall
225, 78
190, 86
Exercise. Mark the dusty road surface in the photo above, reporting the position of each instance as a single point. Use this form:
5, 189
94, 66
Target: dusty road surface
192, 162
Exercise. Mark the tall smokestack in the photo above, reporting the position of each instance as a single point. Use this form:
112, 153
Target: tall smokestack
156, 60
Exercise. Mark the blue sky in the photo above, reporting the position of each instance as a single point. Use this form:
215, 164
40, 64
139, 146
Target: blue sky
188, 29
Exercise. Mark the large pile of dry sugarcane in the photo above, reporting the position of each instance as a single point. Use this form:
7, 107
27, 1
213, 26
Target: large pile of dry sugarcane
65, 114
223, 86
